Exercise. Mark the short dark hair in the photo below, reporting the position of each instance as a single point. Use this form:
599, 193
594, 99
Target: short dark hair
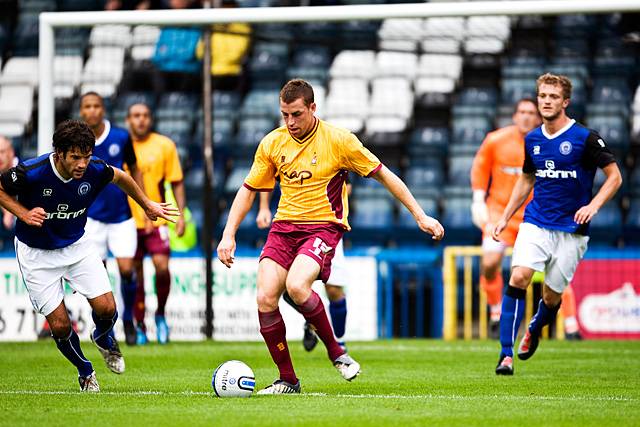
72, 134
555, 80
297, 88
138, 103
91, 93
521, 100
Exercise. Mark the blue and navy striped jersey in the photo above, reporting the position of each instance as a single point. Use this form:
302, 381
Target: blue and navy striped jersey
115, 148
37, 183
564, 165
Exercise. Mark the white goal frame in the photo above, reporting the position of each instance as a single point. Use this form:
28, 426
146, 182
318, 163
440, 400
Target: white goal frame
199, 17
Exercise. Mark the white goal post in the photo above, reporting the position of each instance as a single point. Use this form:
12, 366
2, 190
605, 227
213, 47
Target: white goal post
51, 20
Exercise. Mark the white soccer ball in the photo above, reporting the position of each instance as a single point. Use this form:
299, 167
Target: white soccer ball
233, 379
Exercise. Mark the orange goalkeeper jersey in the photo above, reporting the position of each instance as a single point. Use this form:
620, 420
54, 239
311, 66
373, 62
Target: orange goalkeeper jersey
312, 171
496, 168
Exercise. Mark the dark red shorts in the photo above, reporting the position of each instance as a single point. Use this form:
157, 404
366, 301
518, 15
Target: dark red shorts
287, 240
154, 243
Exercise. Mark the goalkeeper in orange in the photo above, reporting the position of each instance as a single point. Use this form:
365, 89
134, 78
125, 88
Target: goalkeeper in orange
495, 171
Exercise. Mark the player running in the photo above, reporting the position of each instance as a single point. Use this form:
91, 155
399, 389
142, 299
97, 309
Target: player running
54, 192
311, 158
110, 225
561, 158
159, 162
334, 287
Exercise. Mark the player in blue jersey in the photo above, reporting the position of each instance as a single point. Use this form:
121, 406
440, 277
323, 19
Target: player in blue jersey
561, 158
50, 196
110, 224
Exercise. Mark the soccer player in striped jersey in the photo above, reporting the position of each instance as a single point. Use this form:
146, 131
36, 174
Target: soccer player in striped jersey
312, 159
50, 195
561, 158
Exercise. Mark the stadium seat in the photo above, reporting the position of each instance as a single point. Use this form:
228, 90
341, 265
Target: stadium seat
428, 142
371, 220
236, 179
440, 65
606, 226
396, 64
67, 74
267, 64
359, 35
20, 71
144, 40
611, 91
456, 219
250, 133
261, 103
173, 105
471, 130
111, 35
359, 64
173, 126
577, 26
391, 97
460, 170
447, 28
516, 89
400, 34
407, 231
426, 179
613, 129
105, 65
71, 41
37, 6
25, 36
632, 223
16, 104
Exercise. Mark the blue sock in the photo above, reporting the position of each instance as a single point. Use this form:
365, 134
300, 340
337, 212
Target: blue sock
512, 312
104, 330
69, 346
128, 289
543, 317
338, 312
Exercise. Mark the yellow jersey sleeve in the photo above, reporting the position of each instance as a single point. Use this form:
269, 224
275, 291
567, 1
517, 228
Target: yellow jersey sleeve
262, 176
357, 158
173, 170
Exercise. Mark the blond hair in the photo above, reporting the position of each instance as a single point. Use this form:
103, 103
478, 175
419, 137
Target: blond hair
556, 80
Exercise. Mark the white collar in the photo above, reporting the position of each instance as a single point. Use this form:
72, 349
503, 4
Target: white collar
55, 170
105, 132
559, 132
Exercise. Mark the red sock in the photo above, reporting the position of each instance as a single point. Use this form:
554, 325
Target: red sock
138, 305
163, 286
313, 310
274, 333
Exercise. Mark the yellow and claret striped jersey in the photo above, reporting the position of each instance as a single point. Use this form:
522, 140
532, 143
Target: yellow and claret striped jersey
157, 159
312, 172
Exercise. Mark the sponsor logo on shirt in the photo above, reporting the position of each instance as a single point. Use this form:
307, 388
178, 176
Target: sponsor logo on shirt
47, 192
295, 175
536, 149
551, 172
62, 213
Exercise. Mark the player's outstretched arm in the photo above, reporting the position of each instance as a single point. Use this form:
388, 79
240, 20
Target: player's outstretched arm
609, 188
263, 219
400, 191
34, 217
152, 209
239, 209
519, 195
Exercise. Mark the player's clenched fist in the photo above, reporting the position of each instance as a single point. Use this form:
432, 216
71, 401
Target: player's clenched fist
432, 226
226, 249
35, 217
498, 228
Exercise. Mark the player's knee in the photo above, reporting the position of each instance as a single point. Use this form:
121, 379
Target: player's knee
60, 328
298, 291
267, 301
520, 278
551, 298
489, 270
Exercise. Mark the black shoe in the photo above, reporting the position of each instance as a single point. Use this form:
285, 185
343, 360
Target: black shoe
494, 330
573, 336
528, 345
505, 365
310, 339
130, 335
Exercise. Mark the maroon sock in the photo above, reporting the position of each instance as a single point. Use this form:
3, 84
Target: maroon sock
138, 305
313, 310
274, 333
163, 286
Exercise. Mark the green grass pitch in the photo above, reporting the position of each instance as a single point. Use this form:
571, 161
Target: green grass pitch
403, 383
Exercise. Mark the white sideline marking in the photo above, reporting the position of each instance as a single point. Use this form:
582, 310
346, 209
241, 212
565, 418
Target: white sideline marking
340, 396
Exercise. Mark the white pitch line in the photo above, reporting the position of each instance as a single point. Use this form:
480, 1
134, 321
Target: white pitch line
340, 396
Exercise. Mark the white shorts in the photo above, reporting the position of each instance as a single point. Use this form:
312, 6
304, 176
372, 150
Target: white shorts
339, 272
490, 245
557, 253
43, 272
120, 238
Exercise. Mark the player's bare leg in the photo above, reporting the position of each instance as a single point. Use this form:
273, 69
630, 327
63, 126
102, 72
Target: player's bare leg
163, 286
492, 284
302, 274
68, 343
512, 313
271, 284
105, 315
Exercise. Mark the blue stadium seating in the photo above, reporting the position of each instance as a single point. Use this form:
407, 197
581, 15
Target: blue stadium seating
261, 103
471, 130
632, 223
25, 36
606, 226
456, 220
175, 105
